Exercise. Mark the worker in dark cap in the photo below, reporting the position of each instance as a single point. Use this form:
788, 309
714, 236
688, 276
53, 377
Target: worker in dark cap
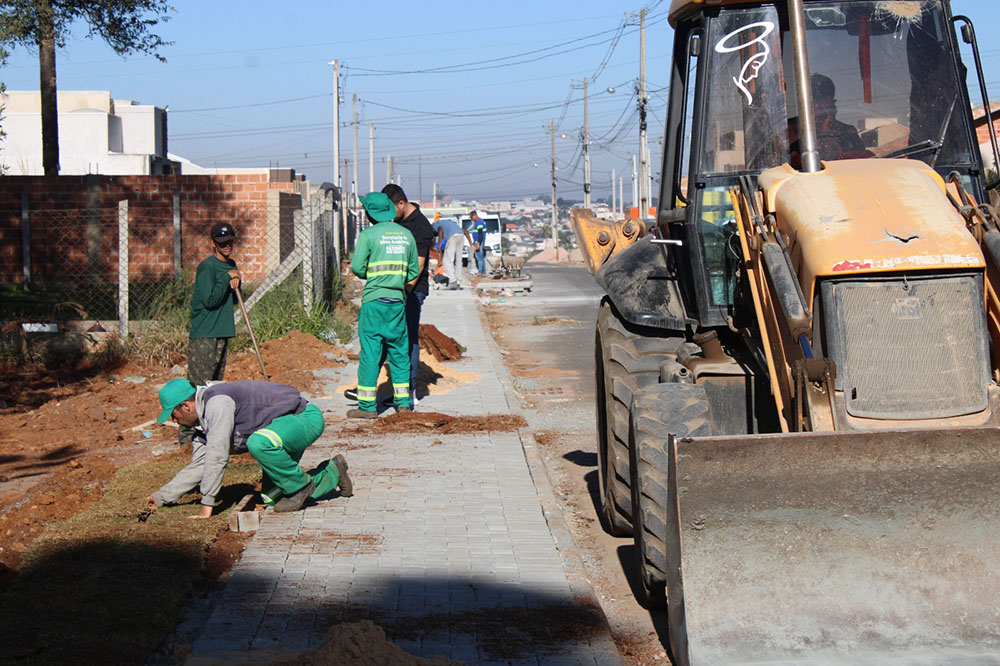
212, 321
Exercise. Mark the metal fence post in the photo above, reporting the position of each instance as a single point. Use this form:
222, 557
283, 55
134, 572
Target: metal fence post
304, 240
123, 270
335, 214
25, 239
177, 234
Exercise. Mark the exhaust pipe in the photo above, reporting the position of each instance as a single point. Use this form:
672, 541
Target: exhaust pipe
803, 88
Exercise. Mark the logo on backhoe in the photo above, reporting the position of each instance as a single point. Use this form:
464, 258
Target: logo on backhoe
751, 68
852, 265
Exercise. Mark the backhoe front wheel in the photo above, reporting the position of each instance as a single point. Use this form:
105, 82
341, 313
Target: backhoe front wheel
625, 360
658, 411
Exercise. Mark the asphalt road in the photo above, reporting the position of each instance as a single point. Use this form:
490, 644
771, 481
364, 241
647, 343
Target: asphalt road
547, 339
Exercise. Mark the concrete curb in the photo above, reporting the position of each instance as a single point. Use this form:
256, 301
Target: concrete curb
576, 570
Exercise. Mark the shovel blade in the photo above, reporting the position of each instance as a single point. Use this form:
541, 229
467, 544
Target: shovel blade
836, 548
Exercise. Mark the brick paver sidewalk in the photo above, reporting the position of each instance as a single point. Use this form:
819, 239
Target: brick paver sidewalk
444, 544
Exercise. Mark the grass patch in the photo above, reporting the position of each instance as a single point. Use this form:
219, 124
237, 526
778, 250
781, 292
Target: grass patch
168, 305
168, 338
280, 312
107, 586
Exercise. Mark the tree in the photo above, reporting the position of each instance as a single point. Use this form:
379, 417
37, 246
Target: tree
3, 90
126, 26
564, 205
567, 239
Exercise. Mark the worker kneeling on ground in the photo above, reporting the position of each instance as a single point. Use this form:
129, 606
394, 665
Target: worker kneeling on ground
272, 421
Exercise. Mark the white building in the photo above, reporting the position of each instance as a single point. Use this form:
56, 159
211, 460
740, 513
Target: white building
97, 135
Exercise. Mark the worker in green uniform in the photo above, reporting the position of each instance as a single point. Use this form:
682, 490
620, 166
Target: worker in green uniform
386, 257
271, 421
212, 322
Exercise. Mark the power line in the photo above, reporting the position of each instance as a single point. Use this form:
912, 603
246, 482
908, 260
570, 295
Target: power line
248, 106
489, 111
494, 63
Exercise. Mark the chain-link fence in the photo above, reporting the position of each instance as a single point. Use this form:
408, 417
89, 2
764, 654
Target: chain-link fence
119, 268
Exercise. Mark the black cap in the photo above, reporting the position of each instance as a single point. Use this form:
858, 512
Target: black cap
223, 231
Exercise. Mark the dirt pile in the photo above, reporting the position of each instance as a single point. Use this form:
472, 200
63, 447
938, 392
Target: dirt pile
442, 424
63, 437
361, 644
439, 345
288, 360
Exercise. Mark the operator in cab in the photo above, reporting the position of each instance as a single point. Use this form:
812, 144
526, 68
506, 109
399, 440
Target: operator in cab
835, 139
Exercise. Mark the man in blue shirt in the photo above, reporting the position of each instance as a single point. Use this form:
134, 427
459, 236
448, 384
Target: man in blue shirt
478, 228
452, 237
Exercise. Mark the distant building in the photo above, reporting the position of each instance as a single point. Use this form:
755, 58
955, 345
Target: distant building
983, 131
97, 135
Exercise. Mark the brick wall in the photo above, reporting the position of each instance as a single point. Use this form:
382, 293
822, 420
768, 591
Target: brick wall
73, 222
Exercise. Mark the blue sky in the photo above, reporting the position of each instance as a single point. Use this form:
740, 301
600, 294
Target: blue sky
248, 84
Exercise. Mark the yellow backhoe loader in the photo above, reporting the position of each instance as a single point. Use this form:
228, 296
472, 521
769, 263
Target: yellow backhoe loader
798, 359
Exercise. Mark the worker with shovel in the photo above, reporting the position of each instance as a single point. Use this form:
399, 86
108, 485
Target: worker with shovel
212, 323
272, 421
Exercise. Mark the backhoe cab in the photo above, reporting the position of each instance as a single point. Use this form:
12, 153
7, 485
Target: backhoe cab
797, 360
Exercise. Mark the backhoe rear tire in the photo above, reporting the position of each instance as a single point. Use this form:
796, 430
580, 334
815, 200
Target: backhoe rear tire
657, 411
625, 361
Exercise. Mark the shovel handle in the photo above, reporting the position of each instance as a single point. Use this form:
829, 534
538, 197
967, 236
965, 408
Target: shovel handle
253, 338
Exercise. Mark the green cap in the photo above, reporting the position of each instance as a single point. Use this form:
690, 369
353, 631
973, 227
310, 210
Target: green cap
379, 206
172, 394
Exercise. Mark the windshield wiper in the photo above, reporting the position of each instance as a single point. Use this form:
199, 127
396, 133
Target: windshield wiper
915, 149
926, 144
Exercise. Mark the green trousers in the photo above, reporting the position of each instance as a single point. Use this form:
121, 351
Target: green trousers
279, 446
383, 324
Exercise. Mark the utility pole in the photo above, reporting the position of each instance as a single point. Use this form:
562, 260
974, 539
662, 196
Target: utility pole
586, 149
371, 156
643, 147
635, 186
338, 216
388, 169
336, 122
345, 207
420, 180
435, 196
355, 123
614, 199
621, 197
555, 242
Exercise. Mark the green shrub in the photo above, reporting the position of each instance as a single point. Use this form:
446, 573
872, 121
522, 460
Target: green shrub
280, 312
170, 315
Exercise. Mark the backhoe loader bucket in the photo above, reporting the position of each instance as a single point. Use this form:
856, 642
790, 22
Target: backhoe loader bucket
835, 548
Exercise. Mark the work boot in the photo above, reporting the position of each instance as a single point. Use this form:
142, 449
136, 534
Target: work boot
295, 501
358, 413
345, 485
404, 409
351, 394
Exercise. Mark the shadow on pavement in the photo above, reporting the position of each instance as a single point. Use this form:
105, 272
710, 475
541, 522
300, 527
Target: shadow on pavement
582, 458
118, 601
466, 619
